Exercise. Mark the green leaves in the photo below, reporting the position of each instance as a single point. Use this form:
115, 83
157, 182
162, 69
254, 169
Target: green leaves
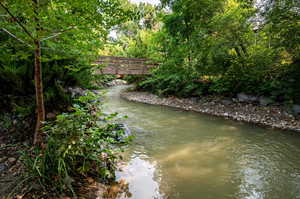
283, 23
77, 146
71, 33
222, 41
66, 27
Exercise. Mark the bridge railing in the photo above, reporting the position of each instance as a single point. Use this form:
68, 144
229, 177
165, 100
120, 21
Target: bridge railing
124, 65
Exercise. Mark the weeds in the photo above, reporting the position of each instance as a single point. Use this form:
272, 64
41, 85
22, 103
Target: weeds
77, 145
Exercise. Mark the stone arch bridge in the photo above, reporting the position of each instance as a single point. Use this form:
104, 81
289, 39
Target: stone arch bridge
124, 66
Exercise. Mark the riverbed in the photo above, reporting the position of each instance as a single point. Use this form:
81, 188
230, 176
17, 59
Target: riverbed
186, 155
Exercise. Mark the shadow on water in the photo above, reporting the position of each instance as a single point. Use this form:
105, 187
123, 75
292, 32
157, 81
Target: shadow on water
189, 156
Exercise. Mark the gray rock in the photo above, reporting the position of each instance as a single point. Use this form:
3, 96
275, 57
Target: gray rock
242, 97
235, 100
117, 82
195, 100
96, 92
3, 159
296, 109
12, 159
3, 167
76, 92
264, 101
226, 102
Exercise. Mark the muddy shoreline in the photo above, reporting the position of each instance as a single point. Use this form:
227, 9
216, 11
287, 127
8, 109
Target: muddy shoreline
267, 116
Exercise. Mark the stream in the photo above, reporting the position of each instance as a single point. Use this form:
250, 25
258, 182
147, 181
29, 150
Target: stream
186, 155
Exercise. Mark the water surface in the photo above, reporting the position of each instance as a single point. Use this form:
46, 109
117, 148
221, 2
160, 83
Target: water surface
186, 155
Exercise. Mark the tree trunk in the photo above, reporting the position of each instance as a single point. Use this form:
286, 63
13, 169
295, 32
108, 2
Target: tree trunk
39, 95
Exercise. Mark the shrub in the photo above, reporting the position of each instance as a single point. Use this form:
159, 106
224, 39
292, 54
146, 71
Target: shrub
77, 144
134, 78
60, 70
171, 79
280, 82
102, 80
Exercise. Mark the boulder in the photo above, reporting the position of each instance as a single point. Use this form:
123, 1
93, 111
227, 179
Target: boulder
242, 97
76, 92
3, 167
264, 101
195, 100
226, 101
125, 132
11, 160
296, 109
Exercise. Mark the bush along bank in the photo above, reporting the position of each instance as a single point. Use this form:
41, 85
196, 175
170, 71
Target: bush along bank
77, 146
232, 108
257, 85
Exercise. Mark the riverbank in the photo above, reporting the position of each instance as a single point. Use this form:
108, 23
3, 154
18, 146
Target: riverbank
18, 173
268, 116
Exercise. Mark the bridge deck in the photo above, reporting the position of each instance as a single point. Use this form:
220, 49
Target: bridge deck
124, 65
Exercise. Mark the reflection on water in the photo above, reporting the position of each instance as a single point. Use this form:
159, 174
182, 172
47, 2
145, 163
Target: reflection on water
141, 176
190, 156
197, 160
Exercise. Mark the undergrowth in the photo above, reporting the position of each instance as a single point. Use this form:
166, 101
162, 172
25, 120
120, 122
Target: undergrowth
78, 144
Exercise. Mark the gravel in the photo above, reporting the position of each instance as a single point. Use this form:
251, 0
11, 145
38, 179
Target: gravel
269, 116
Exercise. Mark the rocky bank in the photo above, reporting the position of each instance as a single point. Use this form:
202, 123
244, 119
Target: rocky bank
274, 116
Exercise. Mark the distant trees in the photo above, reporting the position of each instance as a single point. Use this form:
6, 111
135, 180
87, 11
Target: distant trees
137, 38
233, 46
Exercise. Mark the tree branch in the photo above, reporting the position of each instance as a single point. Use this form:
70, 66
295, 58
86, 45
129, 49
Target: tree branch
14, 36
17, 20
57, 33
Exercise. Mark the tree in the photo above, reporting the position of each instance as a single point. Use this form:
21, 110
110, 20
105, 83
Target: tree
53, 23
137, 38
283, 25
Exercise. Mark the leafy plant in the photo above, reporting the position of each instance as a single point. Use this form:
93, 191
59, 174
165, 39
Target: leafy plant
77, 144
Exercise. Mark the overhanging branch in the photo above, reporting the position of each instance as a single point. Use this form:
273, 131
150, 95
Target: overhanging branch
17, 20
14, 36
57, 33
